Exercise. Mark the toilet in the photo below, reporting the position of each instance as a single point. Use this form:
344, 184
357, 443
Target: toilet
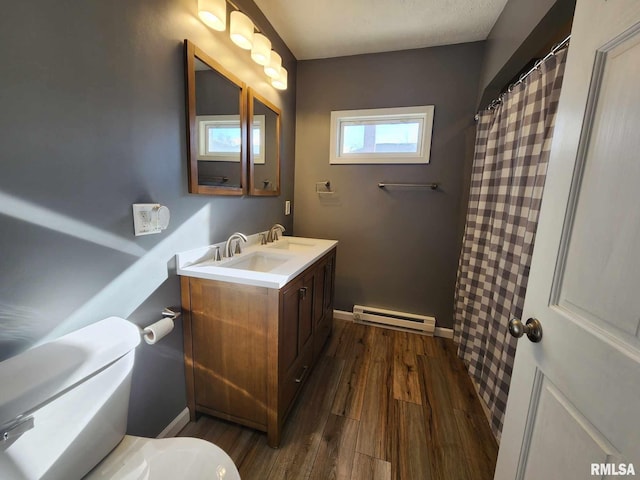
63, 415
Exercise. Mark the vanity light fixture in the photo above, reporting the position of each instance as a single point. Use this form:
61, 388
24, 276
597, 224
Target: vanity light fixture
261, 50
281, 82
213, 13
241, 30
272, 69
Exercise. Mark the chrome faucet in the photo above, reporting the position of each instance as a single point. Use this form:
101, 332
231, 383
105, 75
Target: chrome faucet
273, 232
228, 252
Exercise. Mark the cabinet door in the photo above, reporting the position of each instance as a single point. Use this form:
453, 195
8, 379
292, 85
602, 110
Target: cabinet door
288, 345
318, 293
329, 278
305, 316
323, 303
297, 320
229, 324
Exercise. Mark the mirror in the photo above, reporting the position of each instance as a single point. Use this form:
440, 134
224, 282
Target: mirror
264, 146
216, 126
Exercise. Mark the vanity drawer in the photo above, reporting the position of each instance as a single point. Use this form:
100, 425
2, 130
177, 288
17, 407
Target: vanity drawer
293, 381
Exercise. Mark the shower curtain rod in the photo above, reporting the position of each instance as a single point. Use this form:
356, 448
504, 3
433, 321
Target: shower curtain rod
497, 101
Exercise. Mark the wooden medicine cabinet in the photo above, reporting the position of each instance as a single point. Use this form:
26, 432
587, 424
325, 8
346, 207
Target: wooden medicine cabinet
264, 146
225, 156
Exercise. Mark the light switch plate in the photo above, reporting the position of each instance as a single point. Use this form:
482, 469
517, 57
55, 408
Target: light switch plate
287, 207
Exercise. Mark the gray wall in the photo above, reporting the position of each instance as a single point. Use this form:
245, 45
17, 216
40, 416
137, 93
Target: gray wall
93, 120
398, 248
522, 30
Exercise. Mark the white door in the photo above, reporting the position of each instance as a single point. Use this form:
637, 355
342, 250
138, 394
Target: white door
575, 396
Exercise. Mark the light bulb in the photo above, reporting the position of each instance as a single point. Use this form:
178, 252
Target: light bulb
213, 13
272, 69
261, 50
281, 82
241, 30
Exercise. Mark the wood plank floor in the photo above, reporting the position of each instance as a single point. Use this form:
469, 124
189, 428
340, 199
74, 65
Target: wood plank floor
380, 404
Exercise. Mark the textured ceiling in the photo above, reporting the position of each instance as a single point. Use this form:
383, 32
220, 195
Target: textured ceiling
335, 28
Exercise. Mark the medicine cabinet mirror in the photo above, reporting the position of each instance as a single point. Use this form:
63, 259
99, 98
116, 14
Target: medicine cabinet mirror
216, 126
264, 146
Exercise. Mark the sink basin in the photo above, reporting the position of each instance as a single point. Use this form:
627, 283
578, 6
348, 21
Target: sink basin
257, 262
290, 243
271, 266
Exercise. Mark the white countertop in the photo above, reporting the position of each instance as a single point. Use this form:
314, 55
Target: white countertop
283, 260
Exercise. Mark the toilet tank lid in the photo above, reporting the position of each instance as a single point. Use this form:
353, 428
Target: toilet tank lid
33, 377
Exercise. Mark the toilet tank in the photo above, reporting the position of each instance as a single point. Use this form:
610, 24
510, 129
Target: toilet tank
64, 404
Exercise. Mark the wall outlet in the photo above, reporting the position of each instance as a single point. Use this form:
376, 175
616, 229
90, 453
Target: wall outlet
149, 218
287, 207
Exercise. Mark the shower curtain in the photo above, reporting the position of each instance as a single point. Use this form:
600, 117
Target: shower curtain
509, 169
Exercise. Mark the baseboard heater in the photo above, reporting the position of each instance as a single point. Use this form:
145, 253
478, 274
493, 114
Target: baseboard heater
396, 320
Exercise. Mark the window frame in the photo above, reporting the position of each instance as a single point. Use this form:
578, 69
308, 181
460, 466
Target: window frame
204, 122
423, 115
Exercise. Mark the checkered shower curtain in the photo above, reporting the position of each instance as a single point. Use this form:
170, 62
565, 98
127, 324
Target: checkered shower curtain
509, 171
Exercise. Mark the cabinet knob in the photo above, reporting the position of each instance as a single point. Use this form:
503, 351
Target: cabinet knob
303, 292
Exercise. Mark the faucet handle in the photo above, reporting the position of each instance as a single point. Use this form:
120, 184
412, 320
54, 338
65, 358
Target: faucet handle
263, 238
216, 255
238, 247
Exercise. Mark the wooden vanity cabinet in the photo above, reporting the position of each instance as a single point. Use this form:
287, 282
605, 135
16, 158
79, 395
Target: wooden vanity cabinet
249, 350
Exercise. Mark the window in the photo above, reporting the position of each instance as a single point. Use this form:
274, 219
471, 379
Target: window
220, 138
257, 138
382, 135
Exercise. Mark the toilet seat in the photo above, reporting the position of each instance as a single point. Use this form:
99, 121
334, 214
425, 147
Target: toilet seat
137, 458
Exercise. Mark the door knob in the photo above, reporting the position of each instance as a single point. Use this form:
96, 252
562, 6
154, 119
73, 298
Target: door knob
533, 329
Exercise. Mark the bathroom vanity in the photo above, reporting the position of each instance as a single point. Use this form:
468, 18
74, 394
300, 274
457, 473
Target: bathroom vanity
254, 325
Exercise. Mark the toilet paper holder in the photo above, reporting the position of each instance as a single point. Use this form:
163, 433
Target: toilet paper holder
158, 330
171, 312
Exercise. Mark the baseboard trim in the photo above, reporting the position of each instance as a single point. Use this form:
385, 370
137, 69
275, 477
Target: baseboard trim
443, 332
176, 425
342, 315
348, 316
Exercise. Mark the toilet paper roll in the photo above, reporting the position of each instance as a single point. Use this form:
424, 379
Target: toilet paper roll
157, 331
